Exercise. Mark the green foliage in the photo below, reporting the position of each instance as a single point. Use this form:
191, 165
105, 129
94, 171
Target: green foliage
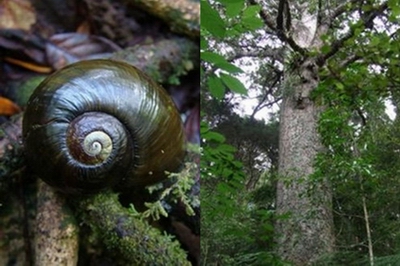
256, 143
224, 20
237, 18
220, 62
216, 87
211, 21
218, 158
250, 18
233, 84
361, 157
354, 259
176, 188
234, 231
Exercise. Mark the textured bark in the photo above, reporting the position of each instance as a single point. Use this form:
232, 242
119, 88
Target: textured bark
183, 16
164, 60
56, 232
10, 150
307, 233
14, 240
14, 222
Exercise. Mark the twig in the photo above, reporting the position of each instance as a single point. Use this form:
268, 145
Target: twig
183, 16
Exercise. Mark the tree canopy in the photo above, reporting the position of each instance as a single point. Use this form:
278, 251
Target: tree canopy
345, 54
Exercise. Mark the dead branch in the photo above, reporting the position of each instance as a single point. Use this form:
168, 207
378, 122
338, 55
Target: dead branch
183, 16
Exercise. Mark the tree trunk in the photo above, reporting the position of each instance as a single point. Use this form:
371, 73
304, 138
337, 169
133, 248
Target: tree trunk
306, 233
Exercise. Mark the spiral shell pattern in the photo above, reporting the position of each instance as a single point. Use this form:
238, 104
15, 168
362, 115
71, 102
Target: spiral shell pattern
101, 123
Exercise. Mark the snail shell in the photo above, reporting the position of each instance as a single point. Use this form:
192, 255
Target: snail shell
101, 123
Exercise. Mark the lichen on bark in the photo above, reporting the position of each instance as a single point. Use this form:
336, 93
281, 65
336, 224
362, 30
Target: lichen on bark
130, 239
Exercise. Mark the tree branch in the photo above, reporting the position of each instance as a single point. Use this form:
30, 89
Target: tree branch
262, 103
264, 15
181, 16
281, 35
338, 44
133, 239
276, 54
343, 8
279, 17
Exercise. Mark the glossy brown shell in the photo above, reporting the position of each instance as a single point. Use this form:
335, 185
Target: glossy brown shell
146, 129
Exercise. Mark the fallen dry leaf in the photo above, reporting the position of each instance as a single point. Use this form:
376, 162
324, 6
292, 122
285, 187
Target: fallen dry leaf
67, 48
23, 45
28, 65
7, 107
16, 14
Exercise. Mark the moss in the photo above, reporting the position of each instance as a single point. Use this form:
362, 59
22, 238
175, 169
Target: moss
129, 238
165, 61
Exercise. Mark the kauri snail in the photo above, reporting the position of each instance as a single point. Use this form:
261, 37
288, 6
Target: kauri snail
96, 121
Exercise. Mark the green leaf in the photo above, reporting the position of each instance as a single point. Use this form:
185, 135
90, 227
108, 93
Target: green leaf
212, 58
227, 148
251, 19
203, 43
225, 188
233, 9
211, 20
220, 62
251, 11
216, 87
339, 85
229, 67
394, 8
325, 49
237, 30
252, 23
233, 84
228, 2
215, 136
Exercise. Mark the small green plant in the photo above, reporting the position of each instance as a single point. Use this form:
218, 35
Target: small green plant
178, 191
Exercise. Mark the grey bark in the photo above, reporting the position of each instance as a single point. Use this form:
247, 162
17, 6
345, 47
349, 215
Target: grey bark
307, 232
56, 231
